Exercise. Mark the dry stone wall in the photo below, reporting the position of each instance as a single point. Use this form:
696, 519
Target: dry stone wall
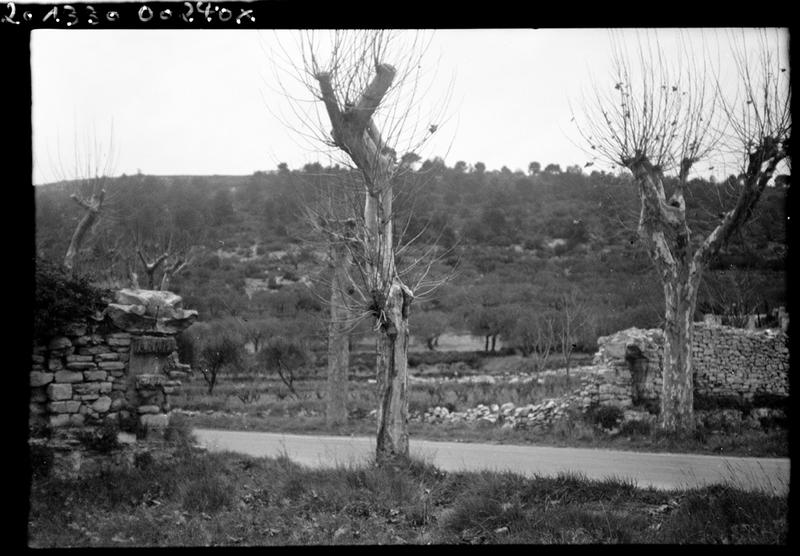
727, 362
120, 368
81, 378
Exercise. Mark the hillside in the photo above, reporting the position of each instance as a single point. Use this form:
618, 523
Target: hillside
510, 241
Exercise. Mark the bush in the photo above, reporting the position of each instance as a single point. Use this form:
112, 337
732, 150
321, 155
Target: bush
772, 401
103, 439
636, 428
605, 416
471, 358
713, 403
61, 299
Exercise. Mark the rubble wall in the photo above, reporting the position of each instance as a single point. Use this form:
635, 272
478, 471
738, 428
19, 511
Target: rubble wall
727, 362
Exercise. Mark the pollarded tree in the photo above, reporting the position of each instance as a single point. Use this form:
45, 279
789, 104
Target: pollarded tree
92, 168
370, 105
659, 120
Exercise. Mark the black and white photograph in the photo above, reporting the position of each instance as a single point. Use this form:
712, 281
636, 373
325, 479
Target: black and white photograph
436, 286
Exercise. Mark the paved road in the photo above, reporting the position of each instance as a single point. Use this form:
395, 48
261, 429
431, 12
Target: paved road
659, 470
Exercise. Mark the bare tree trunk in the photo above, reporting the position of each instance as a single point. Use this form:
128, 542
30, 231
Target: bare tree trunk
355, 132
393, 376
92, 208
677, 391
567, 360
338, 342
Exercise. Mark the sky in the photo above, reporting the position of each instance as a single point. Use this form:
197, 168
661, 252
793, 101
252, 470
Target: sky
201, 102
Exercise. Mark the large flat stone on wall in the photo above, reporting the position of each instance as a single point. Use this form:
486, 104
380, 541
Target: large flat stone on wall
154, 421
64, 407
58, 392
40, 379
68, 376
149, 312
102, 405
85, 388
95, 376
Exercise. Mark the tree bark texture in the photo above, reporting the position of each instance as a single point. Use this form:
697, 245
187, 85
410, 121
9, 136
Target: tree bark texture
392, 367
677, 390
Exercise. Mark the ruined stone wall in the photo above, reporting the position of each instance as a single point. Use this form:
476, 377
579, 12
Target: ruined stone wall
80, 378
727, 361
120, 368
84, 378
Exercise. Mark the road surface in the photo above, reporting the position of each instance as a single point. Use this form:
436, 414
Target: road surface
660, 470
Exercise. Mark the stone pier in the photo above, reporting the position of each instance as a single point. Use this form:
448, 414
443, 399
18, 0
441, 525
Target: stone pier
118, 370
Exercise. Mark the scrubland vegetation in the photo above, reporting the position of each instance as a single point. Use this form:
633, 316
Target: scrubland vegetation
514, 244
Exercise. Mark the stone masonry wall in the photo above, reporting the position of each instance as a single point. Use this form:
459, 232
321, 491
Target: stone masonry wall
119, 368
727, 361
82, 379
732, 361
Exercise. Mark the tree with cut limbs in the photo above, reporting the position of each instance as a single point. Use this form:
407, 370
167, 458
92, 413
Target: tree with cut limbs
93, 166
659, 123
355, 85
92, 207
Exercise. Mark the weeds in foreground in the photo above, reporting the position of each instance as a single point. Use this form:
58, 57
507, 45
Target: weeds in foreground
228, 499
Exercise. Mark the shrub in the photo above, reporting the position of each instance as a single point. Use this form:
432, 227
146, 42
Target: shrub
471, 358
772, 401
103, 439
713, 403
636, 428
774, 422
606, 416
62, 299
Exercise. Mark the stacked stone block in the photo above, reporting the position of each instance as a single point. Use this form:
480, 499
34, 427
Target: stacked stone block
80, 378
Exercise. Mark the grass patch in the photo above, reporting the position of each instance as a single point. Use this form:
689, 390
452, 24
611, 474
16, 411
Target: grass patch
235, 500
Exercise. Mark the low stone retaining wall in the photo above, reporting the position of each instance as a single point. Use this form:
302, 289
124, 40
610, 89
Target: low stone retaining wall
536, 417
